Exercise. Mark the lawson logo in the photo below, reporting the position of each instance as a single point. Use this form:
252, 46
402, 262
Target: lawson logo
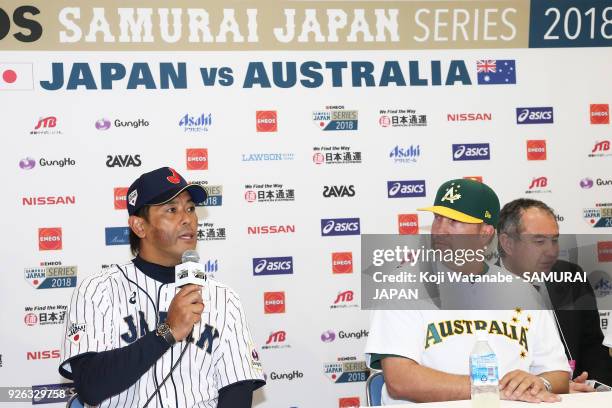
406, 188
340, 226
527, 116
280, 265
471, 151
117, 235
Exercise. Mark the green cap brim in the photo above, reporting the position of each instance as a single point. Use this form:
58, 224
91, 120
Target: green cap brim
452, 214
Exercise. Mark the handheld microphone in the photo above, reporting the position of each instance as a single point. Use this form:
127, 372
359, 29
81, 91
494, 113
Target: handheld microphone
190, 270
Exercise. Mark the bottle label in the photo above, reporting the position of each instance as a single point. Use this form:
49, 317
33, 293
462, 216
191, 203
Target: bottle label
483, 370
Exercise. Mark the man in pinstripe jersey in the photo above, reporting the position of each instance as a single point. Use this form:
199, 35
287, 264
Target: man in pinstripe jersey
134, 338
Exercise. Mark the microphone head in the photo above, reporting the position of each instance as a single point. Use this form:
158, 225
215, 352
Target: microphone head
190, 255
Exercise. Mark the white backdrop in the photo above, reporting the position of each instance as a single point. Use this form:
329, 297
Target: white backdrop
568, 80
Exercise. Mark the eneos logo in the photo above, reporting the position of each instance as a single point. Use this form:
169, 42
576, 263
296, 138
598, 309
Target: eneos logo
49, 239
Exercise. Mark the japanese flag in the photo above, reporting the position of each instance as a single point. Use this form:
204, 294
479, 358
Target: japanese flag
16, 76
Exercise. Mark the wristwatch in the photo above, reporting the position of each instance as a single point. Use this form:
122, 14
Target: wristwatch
547, 384
163, 330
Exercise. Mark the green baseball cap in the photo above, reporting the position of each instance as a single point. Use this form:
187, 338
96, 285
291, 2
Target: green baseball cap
467, 201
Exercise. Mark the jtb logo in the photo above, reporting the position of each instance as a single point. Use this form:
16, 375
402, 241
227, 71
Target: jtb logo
340, 226
346, 296
277, 337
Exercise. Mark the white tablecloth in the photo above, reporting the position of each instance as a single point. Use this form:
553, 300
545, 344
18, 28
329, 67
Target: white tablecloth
582, 400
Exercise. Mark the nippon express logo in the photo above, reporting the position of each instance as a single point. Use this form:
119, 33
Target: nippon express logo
340, 226
207, 231
117, 235
406, 188
51, 276
335, 118
281, 265
471, 151
528, 116
196, 123
335, 155
260, 157
401, 118
44, 315
268, 193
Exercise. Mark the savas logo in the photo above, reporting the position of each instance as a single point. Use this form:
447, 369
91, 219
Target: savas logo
339, 191
123, 160
282, 265
471, 151
406, 188
340, 226
526, 116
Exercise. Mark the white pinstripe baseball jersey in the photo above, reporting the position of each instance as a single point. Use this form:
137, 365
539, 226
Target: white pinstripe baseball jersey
114, 308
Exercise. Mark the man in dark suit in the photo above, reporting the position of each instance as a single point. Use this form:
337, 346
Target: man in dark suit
528, 242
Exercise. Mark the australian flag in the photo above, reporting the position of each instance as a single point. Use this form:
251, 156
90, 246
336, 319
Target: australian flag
495, 72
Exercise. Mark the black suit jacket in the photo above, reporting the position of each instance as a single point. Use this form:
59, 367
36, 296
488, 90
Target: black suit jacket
576, 310
578, 323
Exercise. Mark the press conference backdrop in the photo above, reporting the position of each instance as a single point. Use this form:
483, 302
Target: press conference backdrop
309, 123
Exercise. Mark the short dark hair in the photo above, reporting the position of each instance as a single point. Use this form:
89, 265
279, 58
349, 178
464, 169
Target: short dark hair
135, 239
510, 217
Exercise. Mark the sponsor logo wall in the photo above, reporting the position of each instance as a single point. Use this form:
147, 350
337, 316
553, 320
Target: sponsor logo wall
303, 145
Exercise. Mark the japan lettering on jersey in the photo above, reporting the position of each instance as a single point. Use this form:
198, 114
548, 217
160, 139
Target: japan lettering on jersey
115, 308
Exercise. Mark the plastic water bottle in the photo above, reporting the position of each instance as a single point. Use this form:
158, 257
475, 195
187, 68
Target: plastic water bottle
484, 376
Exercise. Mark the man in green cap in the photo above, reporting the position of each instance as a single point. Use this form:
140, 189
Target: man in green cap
424, 354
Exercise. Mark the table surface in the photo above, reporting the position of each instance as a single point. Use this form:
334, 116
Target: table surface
582, 400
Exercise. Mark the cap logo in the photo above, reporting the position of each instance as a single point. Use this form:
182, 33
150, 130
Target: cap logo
133, 197
174, 178
487, 214
451, 195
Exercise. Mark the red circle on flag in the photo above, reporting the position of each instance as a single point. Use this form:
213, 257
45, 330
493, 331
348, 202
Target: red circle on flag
76, 337
9, 76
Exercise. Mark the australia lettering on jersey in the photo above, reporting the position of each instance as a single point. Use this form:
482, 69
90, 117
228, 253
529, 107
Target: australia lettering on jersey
437, 332
205, 340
